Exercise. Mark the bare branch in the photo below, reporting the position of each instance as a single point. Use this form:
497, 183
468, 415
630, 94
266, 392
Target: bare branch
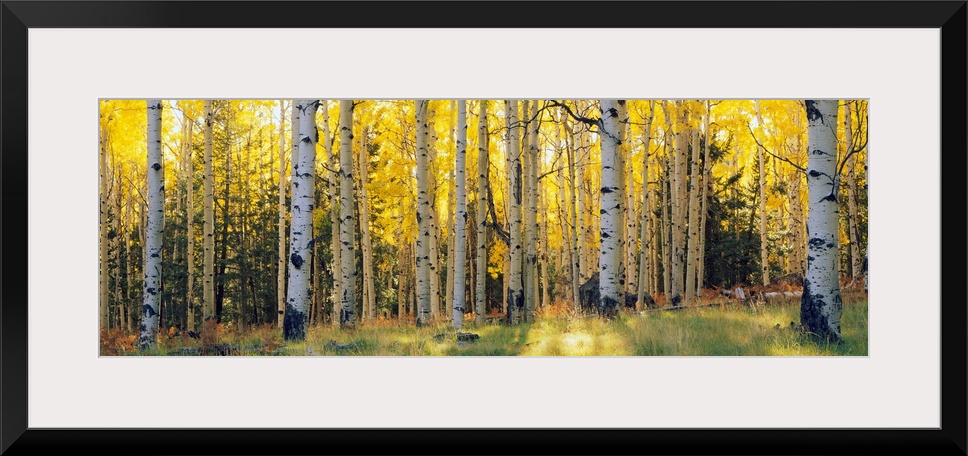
784, 159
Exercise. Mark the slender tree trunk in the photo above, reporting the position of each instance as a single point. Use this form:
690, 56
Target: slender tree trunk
531, 212
693, 246
281, 264
620, 233
434, 257
103, 234
706, 183
611, 208
856, 265
423, 216
208, 224
515, 292
451, 209
369, 302
299, 290
190, 211
155, 226
821, 307
480, 310
575, 212
666, 184
118, 302
461, 216
333, 185
347, 230
129, 321
544, 251
643, 234
764, 254
579, 187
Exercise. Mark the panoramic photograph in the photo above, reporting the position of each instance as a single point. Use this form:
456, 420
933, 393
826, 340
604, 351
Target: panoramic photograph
518, 227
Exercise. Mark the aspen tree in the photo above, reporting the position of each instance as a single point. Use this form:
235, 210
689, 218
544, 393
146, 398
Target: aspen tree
821, 305
154, 227
347, 230
611, 209
764, 254
281, 264
423, 217
461, 216
299, 292
515, 292
480, 306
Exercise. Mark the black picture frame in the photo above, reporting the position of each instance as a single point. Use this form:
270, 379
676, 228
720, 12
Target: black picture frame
16, 17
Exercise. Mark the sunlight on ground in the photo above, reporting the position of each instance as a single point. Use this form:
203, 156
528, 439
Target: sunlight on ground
708, 331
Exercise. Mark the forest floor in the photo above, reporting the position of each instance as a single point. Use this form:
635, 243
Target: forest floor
725, 328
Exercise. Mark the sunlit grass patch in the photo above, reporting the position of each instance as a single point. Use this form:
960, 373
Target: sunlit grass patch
706, 331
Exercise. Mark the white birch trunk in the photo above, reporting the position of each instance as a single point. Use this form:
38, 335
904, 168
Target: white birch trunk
764, 254
299, 290
855, 258
620, 156
543, 251
153, 230
208, 224
103, 232
531, 212
368, 278
423, 216
644, 268
190, 210
515, 292
706, 181
693, 246
821, 306
460, 221
578, 184
128, 322
347, 230
480, 310
333, 185
611, 209
433, 260
281, 265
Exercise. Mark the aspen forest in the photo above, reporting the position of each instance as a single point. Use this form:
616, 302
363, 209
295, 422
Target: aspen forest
551, 227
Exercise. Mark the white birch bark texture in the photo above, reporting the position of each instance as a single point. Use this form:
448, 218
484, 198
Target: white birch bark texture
460, 243
821, 306
293, 161
153, 230
281, 276
643, 233
347, 228
333, 186
208, 222
621, 132
611, 210
515, 292
764, 255
480, 306
103, 234
706, 178
852, 230
693, 245
299, 290
423, 215
190, 229
369, 293
575, 227
531, 213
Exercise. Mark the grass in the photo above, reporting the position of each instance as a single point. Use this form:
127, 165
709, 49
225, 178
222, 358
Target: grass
707, 331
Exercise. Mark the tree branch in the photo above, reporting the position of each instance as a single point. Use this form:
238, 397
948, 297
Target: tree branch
784, 159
